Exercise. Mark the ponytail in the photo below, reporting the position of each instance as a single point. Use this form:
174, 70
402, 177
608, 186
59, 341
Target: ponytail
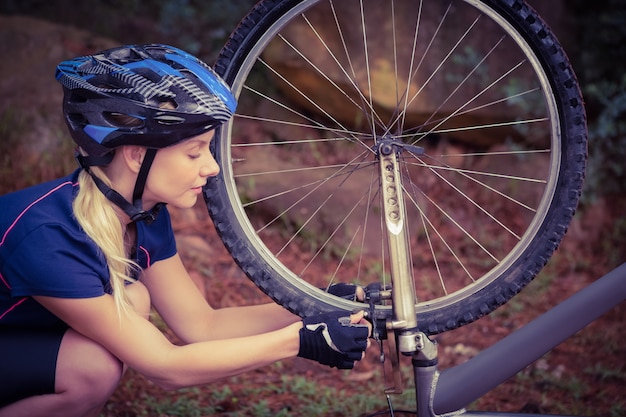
97, 217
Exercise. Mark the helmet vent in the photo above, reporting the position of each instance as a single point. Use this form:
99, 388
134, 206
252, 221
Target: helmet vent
123, 120
77, 119
75, 97
167, 119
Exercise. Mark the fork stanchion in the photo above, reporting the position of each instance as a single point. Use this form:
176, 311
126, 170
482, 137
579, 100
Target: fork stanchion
424, 362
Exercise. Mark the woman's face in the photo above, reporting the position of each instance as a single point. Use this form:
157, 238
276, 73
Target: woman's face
179, 172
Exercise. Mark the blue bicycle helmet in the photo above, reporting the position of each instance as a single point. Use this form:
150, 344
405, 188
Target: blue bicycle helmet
135, 81
167, 95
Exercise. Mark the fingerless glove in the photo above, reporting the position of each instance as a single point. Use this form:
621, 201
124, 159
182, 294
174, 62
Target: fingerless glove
331, 339
343, 290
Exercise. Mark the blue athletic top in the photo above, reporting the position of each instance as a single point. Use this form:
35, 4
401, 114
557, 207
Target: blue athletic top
44, 251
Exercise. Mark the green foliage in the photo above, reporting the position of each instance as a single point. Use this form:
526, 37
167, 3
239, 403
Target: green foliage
604, 372
22, 163
183, 407
276, 396
607, 139
198, 26
600, 65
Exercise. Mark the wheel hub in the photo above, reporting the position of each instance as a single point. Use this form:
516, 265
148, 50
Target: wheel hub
388, 144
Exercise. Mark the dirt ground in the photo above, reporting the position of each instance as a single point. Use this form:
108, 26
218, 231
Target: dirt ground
586, 375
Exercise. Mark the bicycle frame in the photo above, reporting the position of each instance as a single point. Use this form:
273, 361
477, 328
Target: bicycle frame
521, 348
450, 391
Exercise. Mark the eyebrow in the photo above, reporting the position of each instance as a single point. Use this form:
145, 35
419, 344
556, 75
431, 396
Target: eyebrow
196, 141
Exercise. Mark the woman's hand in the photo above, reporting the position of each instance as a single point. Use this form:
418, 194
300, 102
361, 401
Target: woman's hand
351, 292
335, 339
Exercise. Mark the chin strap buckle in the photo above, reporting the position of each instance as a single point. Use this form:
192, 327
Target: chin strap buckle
148, 216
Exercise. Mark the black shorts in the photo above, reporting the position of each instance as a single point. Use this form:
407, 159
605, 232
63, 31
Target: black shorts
28, 360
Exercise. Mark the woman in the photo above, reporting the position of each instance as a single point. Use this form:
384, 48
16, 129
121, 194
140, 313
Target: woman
84, 258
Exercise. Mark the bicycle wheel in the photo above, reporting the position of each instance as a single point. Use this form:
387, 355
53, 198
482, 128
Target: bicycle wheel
485, 115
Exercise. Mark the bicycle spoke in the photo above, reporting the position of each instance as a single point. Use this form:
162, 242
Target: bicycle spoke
482, 184
403, 109
470, 200
335, 231
441, 64
426, 221
317, 184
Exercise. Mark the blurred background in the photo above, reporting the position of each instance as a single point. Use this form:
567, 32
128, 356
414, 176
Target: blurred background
34, 146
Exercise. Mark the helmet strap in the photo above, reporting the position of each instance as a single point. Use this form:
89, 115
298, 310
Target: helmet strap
134, 211
140, 184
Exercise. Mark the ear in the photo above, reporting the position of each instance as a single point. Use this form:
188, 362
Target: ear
133, 156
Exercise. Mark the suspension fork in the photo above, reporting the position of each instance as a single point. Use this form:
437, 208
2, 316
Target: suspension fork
403, 333
394, 209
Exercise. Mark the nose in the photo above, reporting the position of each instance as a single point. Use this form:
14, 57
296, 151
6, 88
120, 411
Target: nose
209, 168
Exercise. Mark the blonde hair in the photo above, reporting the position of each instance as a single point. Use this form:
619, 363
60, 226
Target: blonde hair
96, 215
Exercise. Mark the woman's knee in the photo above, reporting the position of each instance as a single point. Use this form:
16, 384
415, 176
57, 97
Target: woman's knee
139, 298
86, 373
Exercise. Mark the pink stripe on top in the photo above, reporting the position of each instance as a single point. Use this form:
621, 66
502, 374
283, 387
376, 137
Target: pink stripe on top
13, 307
4, 282
6, 233
29, 206
147, 256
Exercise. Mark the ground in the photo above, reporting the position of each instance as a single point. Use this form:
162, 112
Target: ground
583, 376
